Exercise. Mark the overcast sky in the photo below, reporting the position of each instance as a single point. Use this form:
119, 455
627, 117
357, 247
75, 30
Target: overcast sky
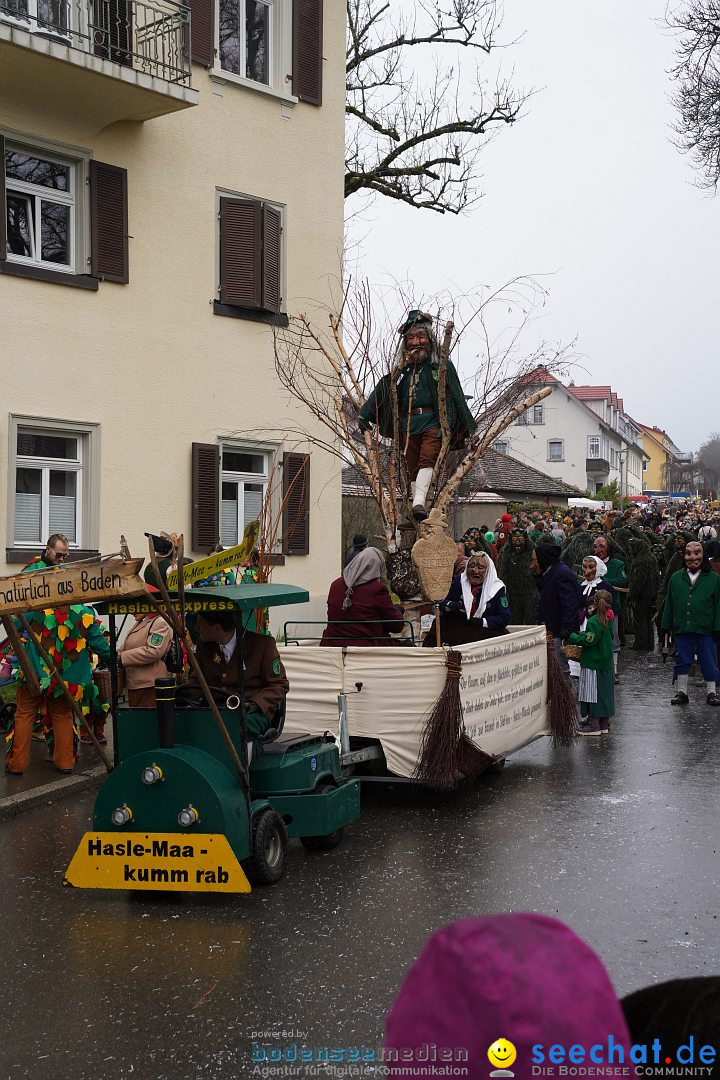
588, 189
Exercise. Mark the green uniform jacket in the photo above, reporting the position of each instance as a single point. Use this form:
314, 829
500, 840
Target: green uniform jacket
378, 407
597, 645
692, 609
616, 577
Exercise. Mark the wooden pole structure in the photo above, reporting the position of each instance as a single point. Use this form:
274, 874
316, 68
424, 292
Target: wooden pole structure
171, 615
27, 670
438, 640
52, 663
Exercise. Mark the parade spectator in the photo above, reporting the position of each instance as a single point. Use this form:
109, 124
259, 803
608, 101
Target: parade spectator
692, 614
707, 532
524, 978
560, 598
359, 543
537, 533
360, 610
681, 1009
557, 532
596, 692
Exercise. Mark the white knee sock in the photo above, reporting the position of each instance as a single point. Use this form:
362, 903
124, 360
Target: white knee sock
422, 484
682, 683
710, 687
616, 657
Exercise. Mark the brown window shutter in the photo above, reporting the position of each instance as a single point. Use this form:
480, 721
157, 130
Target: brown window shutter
109, 257
205, 496
112, 30
308, 50
202, 31
3, 204
241, 252
296, 504
272, 230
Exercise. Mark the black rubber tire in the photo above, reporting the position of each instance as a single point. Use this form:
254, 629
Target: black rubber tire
323, 843
269, 840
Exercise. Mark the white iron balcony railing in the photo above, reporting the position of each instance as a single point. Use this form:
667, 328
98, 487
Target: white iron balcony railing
152, 38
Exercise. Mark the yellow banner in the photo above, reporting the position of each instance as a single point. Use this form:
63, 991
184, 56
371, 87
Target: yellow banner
213, 564
171, 862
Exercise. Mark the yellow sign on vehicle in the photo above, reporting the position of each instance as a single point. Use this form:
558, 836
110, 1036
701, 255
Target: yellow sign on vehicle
213, 564
171, 862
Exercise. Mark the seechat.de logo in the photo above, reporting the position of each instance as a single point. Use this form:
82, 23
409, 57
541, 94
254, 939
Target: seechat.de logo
502, 1054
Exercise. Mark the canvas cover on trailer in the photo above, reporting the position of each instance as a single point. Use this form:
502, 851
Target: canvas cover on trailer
503, 687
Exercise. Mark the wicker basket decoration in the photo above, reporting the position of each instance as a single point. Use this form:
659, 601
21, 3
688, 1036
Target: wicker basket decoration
573, 652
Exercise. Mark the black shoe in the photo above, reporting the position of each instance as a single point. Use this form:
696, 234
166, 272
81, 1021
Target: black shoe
11, 772
680, 698
713, 699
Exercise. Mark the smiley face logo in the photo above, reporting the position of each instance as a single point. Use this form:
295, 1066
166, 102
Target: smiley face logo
502, 1053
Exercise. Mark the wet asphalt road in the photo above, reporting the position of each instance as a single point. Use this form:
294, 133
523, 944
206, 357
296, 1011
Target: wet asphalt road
617, 836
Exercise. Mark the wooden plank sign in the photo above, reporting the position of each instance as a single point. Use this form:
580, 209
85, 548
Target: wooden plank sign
82, 584
213, 564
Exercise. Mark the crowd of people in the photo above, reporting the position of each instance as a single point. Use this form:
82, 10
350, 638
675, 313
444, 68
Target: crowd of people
598, 581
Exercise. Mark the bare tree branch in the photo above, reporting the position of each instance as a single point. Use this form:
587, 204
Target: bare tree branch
696, 76
417, 138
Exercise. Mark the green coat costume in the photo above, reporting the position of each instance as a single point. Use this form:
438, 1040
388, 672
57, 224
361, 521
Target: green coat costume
616, 577
597, 645
520, 582
692, 609
423, 378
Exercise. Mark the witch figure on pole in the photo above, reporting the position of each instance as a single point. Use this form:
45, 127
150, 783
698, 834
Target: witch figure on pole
416, 379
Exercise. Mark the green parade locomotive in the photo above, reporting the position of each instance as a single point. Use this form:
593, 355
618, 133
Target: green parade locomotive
190, 807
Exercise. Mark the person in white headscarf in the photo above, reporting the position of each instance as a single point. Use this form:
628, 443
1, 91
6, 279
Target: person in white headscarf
477, 604
360, 610
593, 572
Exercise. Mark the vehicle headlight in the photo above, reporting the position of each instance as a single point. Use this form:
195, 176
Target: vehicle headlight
187, 817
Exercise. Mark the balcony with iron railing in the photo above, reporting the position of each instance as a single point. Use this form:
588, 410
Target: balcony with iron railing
98, 61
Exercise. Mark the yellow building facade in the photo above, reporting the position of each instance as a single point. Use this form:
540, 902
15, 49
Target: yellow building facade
162, 218
657, 444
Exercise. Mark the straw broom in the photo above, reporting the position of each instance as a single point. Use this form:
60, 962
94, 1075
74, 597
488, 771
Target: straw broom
562, 707
446, 752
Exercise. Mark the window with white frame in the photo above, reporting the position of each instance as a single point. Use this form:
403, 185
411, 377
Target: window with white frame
41, 212
538, 414
50, 16
246, 33
48, 486
245, 473
593, 446
501, 447
522, 418
556, 450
